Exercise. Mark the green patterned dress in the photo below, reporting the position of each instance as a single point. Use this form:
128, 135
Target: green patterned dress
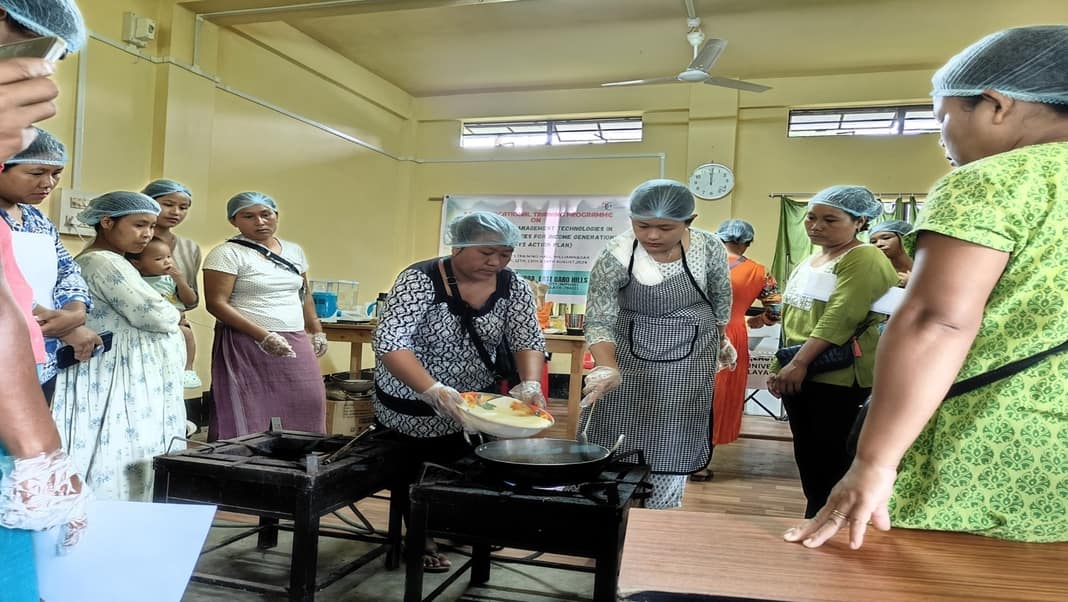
995, 461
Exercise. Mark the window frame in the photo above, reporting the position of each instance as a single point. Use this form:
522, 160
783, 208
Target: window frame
550, 132
882, 121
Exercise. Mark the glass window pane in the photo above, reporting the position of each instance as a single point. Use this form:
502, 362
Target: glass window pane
814, 117
869, 115
622, 136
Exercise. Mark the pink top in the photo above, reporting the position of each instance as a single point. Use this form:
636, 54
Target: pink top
22, 292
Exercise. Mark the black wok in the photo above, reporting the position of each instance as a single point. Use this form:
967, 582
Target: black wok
544, 462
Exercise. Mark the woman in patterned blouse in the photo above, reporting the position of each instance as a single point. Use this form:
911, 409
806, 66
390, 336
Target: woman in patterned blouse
988, 288
424, 354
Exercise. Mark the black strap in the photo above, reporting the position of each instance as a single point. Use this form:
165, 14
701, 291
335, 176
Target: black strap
685, 268
269, 254
981, 380
462, 309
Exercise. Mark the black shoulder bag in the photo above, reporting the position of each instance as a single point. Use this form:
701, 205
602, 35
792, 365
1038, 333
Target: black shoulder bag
960, 388
276, 258
833, 358
504, 368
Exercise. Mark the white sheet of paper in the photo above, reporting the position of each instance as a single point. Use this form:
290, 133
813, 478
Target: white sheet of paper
888, 303
819, 285
131, 552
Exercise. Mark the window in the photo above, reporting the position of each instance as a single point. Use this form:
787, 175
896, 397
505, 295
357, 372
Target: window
551, 132
863, 121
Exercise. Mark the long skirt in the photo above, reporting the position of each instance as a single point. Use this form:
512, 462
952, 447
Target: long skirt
249, 387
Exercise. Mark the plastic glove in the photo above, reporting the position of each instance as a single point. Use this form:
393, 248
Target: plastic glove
599, 381
42, 492
727, 358
528, 391
319, 344
276, 345
445, 401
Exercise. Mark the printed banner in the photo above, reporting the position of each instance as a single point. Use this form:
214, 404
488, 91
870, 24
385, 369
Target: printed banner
562, 236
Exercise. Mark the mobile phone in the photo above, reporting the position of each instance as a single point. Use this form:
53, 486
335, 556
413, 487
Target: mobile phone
65, 355
49, 47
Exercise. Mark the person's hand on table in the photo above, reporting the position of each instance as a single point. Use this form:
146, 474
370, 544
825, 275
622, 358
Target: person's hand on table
858, 500
45, 491
528, 391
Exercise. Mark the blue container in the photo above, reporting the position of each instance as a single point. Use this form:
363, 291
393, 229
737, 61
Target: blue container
325, 304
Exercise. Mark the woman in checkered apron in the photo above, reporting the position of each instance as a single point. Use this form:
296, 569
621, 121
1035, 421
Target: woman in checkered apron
659, 300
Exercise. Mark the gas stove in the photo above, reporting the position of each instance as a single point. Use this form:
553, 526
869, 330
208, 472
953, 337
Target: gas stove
467, 504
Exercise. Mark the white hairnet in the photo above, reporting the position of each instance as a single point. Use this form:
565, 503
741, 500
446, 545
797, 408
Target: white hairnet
899, 227
163, 187
1025, 63
857, 201
244, 200
661, 199
59, 18
117, 204
735, 230
46, 149
482, 229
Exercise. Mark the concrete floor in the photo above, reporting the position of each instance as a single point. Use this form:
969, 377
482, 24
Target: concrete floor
373, 583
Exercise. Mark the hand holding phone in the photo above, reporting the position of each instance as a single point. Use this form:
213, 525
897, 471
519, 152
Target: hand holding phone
65, 355
49, 48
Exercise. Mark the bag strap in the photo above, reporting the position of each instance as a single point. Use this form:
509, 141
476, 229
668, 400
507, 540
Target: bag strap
269, 254
464, 310
981, 380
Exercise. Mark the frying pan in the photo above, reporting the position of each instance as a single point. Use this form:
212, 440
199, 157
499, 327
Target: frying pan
545, 461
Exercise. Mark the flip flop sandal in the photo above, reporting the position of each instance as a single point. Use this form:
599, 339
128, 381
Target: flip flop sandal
436, 562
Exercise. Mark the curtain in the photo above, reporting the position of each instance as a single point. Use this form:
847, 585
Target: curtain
793, 246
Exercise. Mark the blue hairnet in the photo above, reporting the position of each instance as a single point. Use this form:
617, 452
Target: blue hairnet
162, 187
661, 199
46, 149
117, 204
896, 226
857, 201
244, 200
59, 18
1025, 63
735, 230
482, 229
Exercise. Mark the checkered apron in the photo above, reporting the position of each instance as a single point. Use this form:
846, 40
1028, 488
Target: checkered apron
666, 345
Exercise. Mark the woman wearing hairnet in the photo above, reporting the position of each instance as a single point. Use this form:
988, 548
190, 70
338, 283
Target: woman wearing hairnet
174, 201
887, 236
38, 486
827, 302
750, 282
122, 407
267, 338
60, 293
425, 356
658, 304
988, 287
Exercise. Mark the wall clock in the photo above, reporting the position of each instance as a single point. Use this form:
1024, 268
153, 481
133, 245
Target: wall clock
711, 181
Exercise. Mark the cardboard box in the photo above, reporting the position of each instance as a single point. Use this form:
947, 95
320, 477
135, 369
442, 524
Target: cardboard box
350, 417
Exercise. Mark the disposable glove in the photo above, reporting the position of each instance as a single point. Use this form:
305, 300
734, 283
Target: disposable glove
319, 344
445, 401
42, 492
727, 358
600, 380
276, 345
528, 391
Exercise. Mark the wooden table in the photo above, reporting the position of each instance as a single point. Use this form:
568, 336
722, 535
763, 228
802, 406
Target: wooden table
360, 334
740, 557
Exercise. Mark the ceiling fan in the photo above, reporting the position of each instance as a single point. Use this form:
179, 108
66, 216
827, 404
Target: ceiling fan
704, 57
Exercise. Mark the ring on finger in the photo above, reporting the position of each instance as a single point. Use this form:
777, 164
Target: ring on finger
836, 513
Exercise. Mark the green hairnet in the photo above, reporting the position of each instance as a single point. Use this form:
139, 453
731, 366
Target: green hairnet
661, 199
735, 230
163, 187
45, 149
1025, 63
244, 200
482, 229
899, 227
857, 201
59, 18
117, 204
